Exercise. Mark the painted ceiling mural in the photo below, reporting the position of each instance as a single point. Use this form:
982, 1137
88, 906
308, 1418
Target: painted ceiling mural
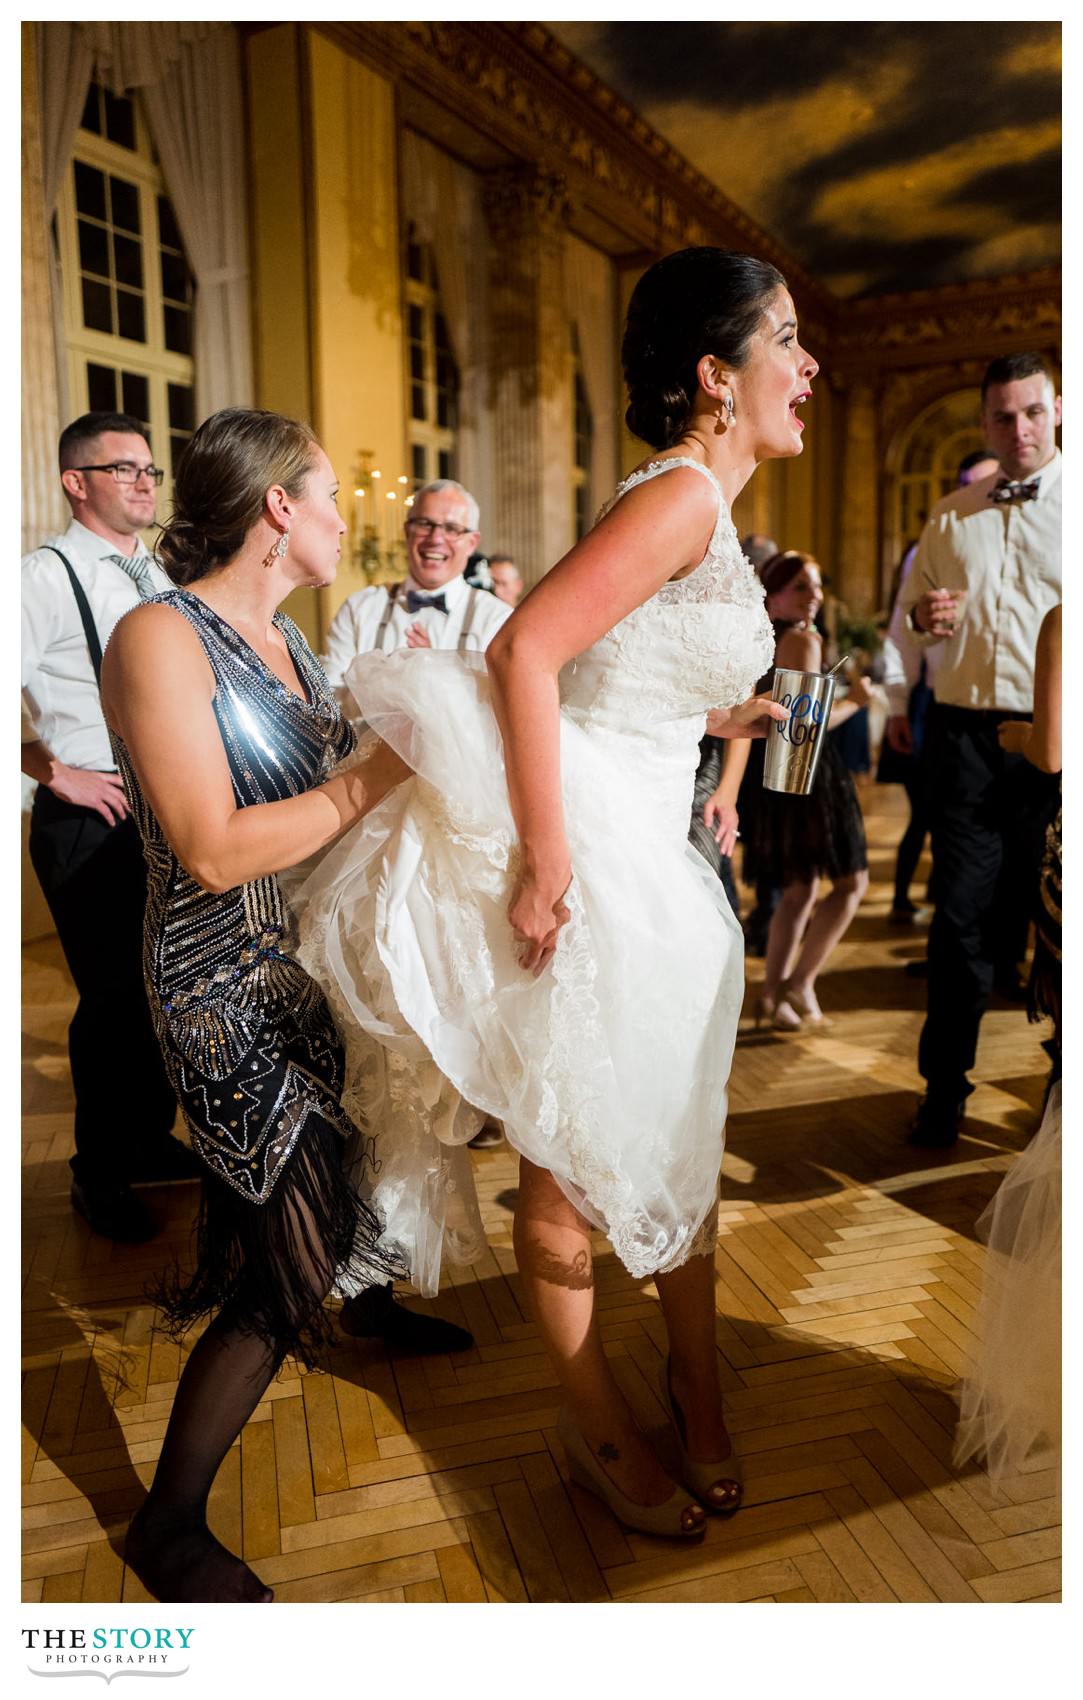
884, 156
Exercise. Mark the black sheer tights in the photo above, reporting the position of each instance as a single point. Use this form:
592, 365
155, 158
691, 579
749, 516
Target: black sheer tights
170, 1547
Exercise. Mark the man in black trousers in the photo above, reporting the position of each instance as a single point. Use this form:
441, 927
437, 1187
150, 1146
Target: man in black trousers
84, 845
988, 568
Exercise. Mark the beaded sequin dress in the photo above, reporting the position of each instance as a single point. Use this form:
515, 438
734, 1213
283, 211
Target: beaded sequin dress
609, 1069
248, 1039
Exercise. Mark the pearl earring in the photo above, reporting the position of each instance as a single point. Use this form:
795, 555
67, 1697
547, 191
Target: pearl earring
284, 541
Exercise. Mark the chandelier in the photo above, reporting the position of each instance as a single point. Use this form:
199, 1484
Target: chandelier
377, 548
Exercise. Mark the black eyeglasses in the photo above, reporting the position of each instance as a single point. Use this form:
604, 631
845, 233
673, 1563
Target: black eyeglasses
428, 526
126, 471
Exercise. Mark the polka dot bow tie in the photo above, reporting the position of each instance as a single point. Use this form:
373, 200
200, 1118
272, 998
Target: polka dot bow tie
1007, 491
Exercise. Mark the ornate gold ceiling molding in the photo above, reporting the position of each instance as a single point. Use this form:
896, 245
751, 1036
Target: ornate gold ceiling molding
534, 102
532, 97
981, 318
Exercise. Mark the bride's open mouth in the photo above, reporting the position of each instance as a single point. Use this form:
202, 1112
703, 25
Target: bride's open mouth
795, 404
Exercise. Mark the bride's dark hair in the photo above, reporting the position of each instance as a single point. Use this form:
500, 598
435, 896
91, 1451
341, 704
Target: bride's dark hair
695, 302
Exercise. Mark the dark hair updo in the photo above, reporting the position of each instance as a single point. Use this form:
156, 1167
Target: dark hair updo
221, 484
695, 302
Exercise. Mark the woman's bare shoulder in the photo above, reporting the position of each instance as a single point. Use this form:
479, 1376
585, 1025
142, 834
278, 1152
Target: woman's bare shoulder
802, 650
153, 645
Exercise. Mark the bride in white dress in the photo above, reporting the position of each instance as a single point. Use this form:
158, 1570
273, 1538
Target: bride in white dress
552, 792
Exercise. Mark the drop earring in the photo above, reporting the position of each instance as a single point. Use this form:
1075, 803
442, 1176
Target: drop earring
276, 551
729, 410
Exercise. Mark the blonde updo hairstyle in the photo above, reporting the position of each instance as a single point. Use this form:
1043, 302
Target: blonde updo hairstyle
221, 484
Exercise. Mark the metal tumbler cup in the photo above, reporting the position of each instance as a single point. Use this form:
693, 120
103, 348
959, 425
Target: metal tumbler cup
794, 744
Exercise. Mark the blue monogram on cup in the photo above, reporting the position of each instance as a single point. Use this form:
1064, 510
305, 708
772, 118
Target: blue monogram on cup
803, 725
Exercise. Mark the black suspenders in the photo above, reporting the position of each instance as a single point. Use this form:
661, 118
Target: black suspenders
385, 619
90, 630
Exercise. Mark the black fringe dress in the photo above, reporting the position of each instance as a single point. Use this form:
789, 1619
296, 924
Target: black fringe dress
247, 1036
797, 839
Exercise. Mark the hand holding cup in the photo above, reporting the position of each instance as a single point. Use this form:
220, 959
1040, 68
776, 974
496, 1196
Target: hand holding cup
938, 612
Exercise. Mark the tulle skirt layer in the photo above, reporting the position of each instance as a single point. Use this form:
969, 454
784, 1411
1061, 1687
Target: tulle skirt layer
610, 1069
1010, 1400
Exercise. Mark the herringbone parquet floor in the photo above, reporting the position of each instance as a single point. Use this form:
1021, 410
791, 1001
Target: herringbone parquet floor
847, 1275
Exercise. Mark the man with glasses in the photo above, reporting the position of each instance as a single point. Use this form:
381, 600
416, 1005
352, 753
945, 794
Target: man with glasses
83, 843
433, 608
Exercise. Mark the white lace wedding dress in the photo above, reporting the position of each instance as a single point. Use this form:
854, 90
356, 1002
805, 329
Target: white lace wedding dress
610, 1069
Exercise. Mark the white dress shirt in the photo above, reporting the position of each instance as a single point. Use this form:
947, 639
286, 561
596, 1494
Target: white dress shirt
355, 626
1007, 557
60, 694
902, 659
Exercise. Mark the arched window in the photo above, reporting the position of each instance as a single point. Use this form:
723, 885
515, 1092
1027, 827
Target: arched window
432, 375
929, 458
127, 290
583, 444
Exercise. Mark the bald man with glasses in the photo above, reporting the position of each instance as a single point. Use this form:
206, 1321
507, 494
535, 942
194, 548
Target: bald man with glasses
84, 846
433, 607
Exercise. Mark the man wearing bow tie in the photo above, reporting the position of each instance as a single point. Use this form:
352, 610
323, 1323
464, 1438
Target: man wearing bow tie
988, 567
84, 844
434, 607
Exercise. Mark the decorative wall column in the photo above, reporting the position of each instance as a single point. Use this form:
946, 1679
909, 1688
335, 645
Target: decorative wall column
529, 369
857, 574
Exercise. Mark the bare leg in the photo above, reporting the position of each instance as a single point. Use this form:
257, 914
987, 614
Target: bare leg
783, 939
687, 1296
829, 922
552, 1246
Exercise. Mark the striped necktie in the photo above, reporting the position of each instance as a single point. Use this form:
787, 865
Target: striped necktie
138, 570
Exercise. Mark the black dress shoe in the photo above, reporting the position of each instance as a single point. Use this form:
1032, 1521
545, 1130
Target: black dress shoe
918, 970
376, 1315
938, 1121
488, 1137
114, 1212
169, 1160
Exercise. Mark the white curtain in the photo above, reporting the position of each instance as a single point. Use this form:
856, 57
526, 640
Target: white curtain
591, 301
192, 72
65, 59
195, 117
43, 506
137, 56
442, 199
191, 77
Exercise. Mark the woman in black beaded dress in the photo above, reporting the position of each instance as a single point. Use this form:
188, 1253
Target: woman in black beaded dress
226, 735
794, 842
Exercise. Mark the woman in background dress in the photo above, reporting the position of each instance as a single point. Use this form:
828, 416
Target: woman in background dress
797, 841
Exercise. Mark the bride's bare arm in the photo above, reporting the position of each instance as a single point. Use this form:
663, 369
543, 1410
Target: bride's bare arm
158, 696
656, 532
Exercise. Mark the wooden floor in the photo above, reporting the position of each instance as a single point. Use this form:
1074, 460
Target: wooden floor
847, 1275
